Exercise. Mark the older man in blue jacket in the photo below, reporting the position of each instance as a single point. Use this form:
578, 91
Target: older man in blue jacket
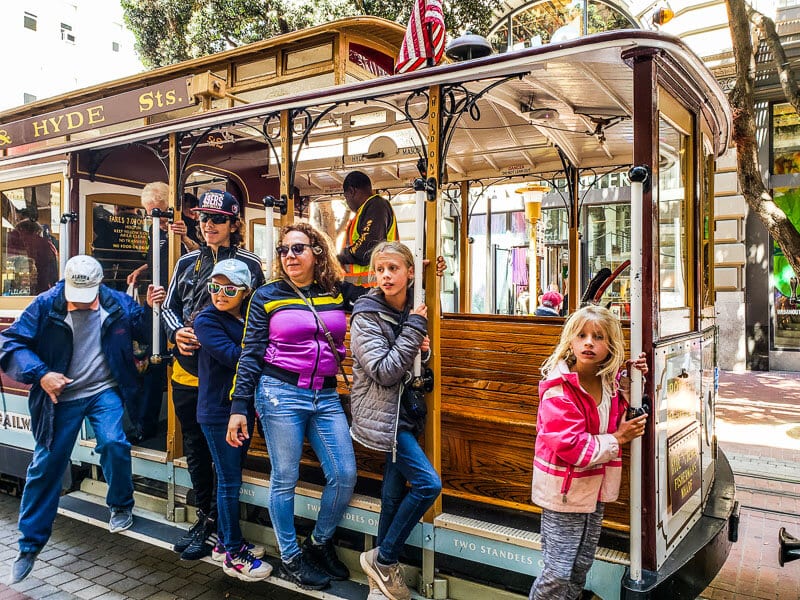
74, 345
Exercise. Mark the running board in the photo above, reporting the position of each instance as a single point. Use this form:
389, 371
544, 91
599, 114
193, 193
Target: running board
154, 529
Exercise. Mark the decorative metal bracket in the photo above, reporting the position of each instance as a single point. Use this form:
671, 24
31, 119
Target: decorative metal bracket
456, 101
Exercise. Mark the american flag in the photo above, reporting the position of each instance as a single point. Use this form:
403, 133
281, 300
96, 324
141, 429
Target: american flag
424, 37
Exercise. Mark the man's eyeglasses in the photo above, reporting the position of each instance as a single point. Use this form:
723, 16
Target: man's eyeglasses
214, 218
297, 249
229, 290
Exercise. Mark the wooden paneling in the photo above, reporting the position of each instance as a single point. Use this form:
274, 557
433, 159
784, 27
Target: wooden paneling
490, 375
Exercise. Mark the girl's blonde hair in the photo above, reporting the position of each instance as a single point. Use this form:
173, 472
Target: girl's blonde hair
604, 320
390, 248
327, 271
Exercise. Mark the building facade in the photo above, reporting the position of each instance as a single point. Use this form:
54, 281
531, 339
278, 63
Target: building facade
757, 295
58, 46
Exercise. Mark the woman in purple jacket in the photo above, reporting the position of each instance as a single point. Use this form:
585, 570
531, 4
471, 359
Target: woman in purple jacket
289, 366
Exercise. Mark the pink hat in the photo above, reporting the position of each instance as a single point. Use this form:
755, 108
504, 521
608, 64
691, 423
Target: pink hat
552, 299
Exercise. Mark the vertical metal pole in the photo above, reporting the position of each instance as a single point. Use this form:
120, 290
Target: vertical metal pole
269, 238
155, 224
419, 252
63, 240
638, 177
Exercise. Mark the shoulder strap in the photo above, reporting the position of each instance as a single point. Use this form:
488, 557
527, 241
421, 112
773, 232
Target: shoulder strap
324, 328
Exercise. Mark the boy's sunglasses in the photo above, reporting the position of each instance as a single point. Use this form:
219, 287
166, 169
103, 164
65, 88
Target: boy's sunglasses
214, 218
297, 249
229, 290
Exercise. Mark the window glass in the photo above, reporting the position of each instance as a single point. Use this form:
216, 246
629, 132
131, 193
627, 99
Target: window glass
673, 221
540, 22
785, 292
785, 140
608, 245
120, 241
29, 21
29, 243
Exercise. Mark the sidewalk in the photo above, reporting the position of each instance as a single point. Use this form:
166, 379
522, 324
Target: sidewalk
82, 561
758, 428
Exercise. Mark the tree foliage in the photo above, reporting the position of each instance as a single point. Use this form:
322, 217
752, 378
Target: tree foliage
169, 31
742, 18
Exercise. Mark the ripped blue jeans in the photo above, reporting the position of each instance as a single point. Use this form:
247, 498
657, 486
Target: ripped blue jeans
289, 414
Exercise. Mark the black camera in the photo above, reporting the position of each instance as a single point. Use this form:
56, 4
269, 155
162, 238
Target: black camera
632, 412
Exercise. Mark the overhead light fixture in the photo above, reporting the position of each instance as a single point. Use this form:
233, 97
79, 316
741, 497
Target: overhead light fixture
542, 114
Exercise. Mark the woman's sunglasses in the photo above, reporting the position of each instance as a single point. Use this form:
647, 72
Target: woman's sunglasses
214, 218
229, 290
297, 249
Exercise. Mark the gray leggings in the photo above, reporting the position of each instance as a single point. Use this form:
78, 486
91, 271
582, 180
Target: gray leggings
569, 541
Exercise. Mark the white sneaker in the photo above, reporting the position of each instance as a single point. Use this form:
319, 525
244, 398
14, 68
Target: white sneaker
246, 567
218, 553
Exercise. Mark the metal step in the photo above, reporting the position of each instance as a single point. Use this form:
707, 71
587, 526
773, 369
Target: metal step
154, 529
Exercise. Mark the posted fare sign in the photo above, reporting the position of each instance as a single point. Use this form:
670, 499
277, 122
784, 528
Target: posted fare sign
123, 107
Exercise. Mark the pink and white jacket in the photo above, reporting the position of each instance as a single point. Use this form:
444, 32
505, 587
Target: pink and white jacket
575, 466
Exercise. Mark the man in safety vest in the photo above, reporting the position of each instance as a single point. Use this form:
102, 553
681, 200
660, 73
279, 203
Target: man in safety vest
373, 222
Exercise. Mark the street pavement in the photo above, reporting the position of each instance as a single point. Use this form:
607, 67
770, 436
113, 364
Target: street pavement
82, 561
758, 425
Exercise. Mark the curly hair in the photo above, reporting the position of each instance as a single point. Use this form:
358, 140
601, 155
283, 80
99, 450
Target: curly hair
604, 320
328, 272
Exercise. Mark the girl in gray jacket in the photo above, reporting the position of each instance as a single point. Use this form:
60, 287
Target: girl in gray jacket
385, 336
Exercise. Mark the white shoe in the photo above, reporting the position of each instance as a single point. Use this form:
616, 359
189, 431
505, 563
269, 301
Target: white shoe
246, 567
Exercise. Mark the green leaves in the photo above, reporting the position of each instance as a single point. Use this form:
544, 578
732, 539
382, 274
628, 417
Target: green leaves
169, 31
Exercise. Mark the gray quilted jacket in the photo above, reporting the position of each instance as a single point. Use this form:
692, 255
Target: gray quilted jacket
381, 360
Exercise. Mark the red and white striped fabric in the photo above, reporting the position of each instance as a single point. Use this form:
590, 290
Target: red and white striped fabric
418, 46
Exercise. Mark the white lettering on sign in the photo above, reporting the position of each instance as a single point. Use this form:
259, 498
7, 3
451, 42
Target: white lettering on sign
509, 556
247, 492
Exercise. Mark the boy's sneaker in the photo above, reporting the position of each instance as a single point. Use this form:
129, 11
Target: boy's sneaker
304, 573
186, 539
245, 566
218, 553
121, 519
324, 557
388, 577
203, 541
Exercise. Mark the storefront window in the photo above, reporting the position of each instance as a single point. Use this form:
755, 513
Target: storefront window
785, 166
786, 294
29, 243
672, 217
608, 246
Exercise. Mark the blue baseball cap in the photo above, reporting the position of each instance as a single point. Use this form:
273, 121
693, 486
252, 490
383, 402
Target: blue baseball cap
235, 270
218, 202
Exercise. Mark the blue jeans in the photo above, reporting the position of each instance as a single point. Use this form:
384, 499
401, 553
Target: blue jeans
402, 508
288, 414
43, 484
228, 462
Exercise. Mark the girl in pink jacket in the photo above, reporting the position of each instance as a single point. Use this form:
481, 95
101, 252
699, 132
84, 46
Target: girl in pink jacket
580, 428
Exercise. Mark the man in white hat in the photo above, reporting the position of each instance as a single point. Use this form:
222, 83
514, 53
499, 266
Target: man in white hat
74, 346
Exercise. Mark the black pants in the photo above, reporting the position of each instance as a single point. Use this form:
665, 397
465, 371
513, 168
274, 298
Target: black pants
195, 447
